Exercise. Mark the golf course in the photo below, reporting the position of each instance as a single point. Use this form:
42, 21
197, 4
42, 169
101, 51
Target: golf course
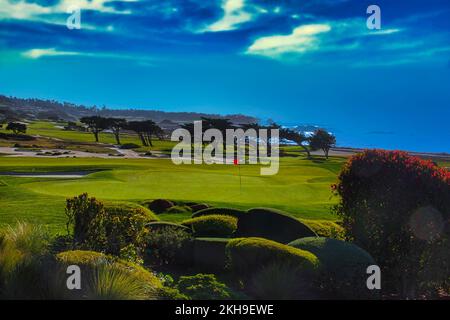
302, 186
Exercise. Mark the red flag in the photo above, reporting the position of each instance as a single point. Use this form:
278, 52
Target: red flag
235, 161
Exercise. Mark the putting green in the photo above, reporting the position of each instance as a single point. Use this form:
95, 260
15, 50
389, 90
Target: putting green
302, 187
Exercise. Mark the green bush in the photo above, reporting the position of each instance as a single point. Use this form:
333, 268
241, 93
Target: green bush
397, 207
343, 264
198, 206
325, 228
179, 209
204, 287
113, 228
159, 205
280, 281
219, 211
167, 246
209, 254
212, 226
106, 277
272, 224
246, 255
153, 226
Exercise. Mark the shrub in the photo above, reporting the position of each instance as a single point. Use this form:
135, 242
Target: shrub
203, 287
24, 261
280, 281
271, 224
249, 254
179, 209
209, 254
154, 226
198, 206
325, 228
219, 211
106, 277
343, 264
117, 229
397, 207
212, 226
168, 246
160, 205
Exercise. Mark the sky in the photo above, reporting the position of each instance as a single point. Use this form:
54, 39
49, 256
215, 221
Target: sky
293, 61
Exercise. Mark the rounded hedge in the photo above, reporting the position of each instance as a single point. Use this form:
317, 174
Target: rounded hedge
272, 224
179, 209
212, 226
344, 265
209, 254
219, 211
160, 205
198, 206
246, 255
325, 228
129, 207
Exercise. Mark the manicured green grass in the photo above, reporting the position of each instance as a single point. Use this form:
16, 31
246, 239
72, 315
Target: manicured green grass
302, 187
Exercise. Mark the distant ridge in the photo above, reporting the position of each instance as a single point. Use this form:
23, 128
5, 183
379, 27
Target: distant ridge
18, 108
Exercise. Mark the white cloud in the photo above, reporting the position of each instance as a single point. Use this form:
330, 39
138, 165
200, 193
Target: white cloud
50, 52
23, 10
234, 14
303, 38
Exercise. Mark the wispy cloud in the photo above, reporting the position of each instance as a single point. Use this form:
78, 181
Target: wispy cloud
49, 52
303, 38
53, 52
234, 15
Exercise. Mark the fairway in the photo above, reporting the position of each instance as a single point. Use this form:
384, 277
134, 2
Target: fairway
302, 187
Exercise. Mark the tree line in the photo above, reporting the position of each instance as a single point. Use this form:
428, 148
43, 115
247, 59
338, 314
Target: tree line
146, 129
319, 140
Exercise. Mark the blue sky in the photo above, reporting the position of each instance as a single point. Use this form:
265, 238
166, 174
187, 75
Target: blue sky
297, 61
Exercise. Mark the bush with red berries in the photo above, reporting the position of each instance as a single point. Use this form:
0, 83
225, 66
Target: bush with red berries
397, 207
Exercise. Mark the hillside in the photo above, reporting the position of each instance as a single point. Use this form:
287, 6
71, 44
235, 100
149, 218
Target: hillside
12, 108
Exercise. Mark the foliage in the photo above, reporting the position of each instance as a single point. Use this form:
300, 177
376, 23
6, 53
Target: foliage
209, 254
298, 137
397, 207
16, 127
152, 226
111, 229
325, 228
204, 287
249, 254
95, 124
271, 224
323, 140
219, 211
160, 205
179, 209
280, 281
343, 264
106, 277
168, 245
212, 225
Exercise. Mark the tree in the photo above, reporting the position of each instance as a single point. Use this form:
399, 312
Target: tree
397, 207
146, 130
322, 140
95, 124
116, 124
298, 137
17, 127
